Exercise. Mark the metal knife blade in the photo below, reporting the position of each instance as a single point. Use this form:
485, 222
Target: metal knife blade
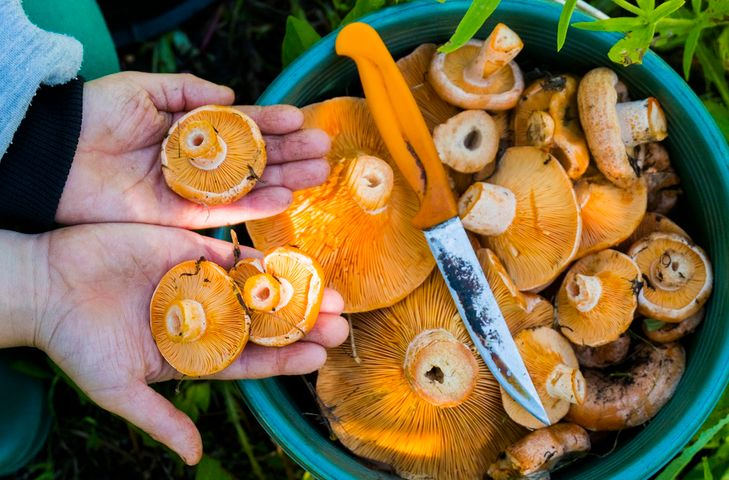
481, 314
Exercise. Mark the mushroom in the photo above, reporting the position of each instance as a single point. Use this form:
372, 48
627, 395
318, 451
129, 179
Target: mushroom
553, 368
662, 181
213, 155
358, 224
616, 402
468, 141
414, 69
541, 237
487, 209
420, 399
540, 452
503, 123
480, 74
520, 310
283, 292
609, 213
197, 318
610, 127
598, 298
663, 332
547, 117
677, 275
605, 355
652, 222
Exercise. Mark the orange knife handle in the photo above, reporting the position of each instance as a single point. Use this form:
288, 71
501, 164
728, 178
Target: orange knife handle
400, 123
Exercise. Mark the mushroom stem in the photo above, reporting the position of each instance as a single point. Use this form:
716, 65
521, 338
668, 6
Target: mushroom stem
671, 271
441, 369
262, 292
200, 142
641, 121
370, 181
540, 129
487, 209
500, 48
567, 384
584, 292
185, 320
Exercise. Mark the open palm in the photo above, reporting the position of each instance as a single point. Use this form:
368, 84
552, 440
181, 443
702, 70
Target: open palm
94, 321
116, 173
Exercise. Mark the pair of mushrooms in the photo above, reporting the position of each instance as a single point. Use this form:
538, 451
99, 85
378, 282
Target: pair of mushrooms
201, 316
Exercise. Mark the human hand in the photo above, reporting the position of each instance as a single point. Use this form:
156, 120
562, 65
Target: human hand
116, 174
93, 287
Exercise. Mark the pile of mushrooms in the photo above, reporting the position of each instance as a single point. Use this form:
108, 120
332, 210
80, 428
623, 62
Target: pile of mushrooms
565, 187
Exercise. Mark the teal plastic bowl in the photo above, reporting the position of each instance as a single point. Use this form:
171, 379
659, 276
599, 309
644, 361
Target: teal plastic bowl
698, 151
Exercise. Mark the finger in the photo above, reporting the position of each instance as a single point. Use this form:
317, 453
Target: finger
276, 119
329, 331
260, 362
215, 250
181, 92
299, 145
332, 302
154, 414
295, 175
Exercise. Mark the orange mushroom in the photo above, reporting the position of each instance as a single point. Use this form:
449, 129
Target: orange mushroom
652, 222
283, 292
358, 224
213, 155
198, 319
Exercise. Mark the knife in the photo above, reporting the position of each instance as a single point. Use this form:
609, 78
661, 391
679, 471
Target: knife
408, 139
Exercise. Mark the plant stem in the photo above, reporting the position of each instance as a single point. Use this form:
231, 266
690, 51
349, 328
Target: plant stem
234, 417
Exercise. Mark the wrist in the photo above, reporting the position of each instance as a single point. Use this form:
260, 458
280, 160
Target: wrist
21, 299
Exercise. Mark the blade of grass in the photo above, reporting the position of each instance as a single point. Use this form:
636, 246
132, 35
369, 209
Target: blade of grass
690, 48
475, 17
713, 71
564, 22
232, 408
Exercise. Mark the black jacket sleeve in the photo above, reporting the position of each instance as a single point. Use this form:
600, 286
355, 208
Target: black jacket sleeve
35, 167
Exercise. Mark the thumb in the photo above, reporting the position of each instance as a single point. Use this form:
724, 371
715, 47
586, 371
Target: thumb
181, 92
154, 414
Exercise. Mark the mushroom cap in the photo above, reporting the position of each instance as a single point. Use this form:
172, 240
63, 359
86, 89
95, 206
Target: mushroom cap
231, 163
374, 259
671, 332
557, 97
499, 91
295, 316
376, 409
597, 100
206, 338
650, 223
616, 402
605, 355
615, 300
414, 68
540, 452
609, 213
664, 185
677, 275
544, 235
520, 310
545, 352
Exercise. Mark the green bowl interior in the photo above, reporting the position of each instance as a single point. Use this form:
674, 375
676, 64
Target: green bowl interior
698, 152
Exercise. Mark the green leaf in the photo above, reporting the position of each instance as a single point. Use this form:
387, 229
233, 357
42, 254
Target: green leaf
652, 324
720, 112
195, 398
707, 469
619, 24
564, 22
696, 6
647, 5
674, 468
361, 8
713, 71
722, 43
299, 36
718, 9
210, 468
475, 16
630, 49
666, 9
625, 5
690, 48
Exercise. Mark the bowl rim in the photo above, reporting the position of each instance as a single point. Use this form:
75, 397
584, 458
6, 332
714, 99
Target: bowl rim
283, 426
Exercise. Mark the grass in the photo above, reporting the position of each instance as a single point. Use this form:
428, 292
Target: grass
238, 43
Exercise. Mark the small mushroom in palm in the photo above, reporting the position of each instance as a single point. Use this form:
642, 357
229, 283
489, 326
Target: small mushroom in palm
283, 292
612, 127
480, 74
598, 297
547, 117
197, 318
605, 355
616, 402
664, 332
213, 155
554, 370
677, 274
540, 452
